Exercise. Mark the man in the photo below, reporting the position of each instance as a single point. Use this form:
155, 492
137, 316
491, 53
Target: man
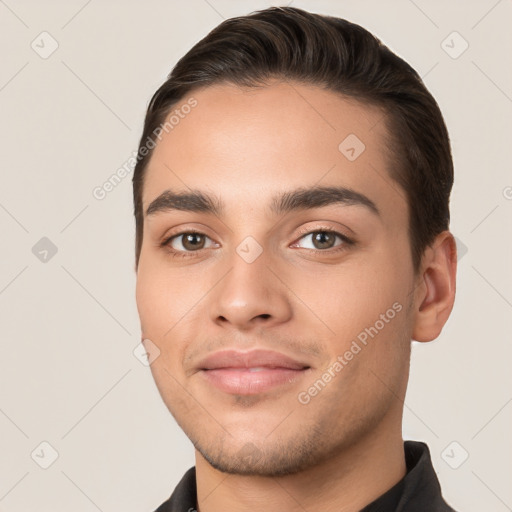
291, 203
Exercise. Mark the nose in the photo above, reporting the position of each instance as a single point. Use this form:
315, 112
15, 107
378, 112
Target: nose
250, 295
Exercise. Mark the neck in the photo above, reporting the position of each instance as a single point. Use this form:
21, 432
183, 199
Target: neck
346, 482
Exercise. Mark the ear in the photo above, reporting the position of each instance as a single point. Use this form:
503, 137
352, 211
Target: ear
435, 288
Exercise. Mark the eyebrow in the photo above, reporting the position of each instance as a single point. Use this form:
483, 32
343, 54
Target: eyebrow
294, 200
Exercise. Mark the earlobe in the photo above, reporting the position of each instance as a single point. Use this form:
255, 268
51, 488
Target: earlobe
435, 295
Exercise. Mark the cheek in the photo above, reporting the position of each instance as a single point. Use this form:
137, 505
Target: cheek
165, 303
351, 298
153, 296
146, 296
161, 297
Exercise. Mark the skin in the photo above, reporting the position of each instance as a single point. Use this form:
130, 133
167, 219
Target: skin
344, 448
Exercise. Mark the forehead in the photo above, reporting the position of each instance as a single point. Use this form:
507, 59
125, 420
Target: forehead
244, 145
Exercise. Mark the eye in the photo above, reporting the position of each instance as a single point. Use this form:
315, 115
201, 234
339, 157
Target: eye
189, 241
322, 239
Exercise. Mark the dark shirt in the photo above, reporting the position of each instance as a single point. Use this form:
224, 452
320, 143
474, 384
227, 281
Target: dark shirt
418, 491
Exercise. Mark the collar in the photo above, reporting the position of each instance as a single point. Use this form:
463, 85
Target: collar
418, 491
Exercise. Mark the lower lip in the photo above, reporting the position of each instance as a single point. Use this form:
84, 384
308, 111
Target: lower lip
241, 381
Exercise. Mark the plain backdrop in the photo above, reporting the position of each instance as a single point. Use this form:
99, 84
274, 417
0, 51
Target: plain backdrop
75, 80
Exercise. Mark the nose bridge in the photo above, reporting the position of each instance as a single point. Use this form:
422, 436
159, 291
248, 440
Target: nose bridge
250, 292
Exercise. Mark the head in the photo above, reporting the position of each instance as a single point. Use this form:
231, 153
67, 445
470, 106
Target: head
315, 169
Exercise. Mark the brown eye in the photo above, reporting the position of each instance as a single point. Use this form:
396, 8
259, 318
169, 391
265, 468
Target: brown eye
193, 241
187, 242
322, 240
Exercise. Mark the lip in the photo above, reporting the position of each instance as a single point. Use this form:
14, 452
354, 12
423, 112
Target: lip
250, 373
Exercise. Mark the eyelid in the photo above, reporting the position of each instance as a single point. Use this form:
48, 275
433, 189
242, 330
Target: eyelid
315, 229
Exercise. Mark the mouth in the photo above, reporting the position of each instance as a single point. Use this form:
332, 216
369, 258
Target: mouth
251, 381
251, 373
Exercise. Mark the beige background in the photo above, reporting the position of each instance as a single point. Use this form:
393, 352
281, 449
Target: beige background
68, 375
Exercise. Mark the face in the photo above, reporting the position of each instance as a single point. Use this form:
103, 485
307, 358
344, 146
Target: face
280, 306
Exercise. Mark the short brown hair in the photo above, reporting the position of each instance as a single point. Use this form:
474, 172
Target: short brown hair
292, 44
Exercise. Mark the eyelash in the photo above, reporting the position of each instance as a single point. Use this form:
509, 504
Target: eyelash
347, 242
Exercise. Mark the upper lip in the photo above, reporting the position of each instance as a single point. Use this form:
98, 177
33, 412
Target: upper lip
250, 359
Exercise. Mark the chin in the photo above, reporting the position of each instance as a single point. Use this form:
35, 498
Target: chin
272, 461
